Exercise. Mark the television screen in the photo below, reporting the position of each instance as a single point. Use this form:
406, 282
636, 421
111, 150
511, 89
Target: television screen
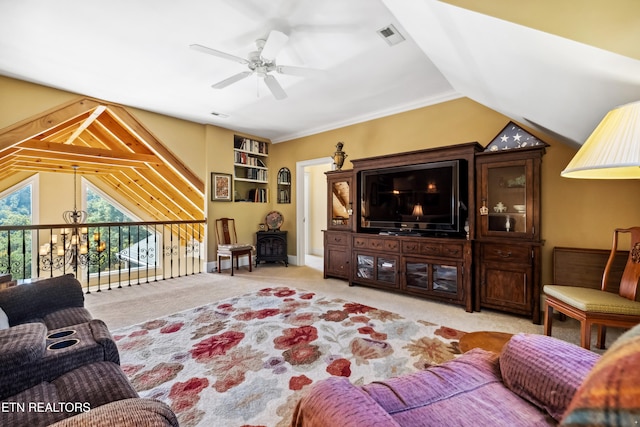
422, 198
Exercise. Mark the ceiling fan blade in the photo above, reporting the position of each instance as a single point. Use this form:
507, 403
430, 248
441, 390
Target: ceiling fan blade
275, 42
274, 87
218, 53
299, 71
236, 77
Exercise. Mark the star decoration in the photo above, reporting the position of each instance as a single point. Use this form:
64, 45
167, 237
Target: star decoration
513, 137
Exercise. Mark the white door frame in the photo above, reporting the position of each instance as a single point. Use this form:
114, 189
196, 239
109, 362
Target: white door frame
301, 201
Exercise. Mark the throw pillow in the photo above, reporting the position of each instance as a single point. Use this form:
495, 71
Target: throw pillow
4, 320
610, 395
544, 370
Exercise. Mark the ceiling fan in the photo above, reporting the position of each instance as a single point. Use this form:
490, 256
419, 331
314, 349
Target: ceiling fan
262, 62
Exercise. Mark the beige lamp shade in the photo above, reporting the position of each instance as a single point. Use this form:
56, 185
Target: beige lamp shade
613, 149
417, 210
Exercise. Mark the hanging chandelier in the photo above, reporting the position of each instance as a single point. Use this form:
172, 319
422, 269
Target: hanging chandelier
72, 249
75, 216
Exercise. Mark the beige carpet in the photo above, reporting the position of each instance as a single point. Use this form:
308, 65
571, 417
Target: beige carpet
138, 303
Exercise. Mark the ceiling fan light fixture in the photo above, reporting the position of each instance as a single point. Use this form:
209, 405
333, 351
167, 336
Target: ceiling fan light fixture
274, 43
260, 62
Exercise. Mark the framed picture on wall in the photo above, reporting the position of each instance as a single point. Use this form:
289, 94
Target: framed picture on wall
221, 187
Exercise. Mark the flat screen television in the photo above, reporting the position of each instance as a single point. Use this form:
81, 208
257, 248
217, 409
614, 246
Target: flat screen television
424, 199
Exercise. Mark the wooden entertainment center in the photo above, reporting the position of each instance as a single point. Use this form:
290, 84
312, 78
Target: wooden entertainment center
493, 263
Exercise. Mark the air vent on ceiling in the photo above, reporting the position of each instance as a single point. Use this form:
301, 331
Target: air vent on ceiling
391, 35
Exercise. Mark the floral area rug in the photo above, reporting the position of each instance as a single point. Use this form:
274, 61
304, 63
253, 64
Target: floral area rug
246, 361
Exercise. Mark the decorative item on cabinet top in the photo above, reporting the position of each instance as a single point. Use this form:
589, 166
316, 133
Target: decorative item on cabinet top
339, 156
513, 137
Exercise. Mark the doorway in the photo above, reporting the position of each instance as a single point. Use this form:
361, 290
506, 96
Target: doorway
311, 210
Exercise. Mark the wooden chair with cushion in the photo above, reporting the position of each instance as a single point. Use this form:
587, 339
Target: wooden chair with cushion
597, 306
228, 246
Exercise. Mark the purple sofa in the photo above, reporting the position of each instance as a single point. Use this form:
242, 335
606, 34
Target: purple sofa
530, 384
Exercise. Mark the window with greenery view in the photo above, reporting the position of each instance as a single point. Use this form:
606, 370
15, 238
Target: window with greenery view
15, 246
126, 246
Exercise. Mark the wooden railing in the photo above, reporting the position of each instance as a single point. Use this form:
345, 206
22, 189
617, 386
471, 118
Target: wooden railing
104, 255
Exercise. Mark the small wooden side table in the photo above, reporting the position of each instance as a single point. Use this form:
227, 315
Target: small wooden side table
487, 340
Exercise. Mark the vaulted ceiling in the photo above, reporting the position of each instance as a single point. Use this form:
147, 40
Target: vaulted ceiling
104, 142
556, 65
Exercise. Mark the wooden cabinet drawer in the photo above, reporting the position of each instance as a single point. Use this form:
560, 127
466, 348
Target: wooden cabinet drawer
495, 252
391, 245
452, 250
376, 243
337, 239
412, 247
430, 248
360, 242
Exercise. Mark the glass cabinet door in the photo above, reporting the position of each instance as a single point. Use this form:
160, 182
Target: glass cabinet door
365, 266
376, 269
387, 270
417, 275
445, 278
339, 203
424, 276
506, 199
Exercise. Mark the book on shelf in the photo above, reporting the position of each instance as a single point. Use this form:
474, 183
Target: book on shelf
258, 195
244, 159
258, 174
284, 196
284, 177
253, 146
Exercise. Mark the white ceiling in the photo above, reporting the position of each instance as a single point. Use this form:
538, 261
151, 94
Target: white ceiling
137, 53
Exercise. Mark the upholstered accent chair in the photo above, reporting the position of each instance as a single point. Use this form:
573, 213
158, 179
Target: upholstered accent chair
598, 306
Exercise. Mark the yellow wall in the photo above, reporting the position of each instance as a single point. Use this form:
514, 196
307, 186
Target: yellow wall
20, 100
578, 213
613, 26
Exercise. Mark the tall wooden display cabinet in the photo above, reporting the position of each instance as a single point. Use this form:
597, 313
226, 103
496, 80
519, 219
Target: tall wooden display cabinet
340, 224
507, 247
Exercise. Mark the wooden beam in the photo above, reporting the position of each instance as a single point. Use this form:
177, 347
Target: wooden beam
105, 140
35, 148
28, 129
155, 211
94, 115
156, 184
121, 134
53, 166
173, 204
152, 142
